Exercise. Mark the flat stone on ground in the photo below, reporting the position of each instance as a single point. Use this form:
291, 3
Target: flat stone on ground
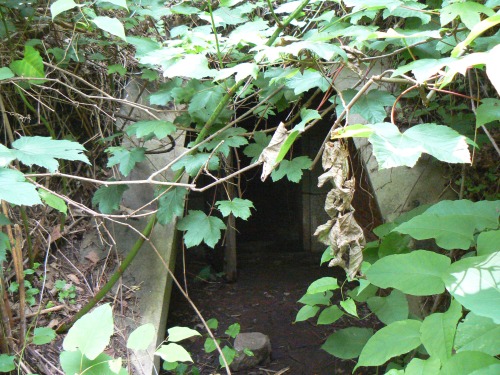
258, 343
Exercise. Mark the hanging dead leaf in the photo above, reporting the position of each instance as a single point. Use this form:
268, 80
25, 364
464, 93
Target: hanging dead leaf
269, 154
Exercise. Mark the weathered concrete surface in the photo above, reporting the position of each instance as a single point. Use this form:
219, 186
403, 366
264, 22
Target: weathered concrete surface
258, 343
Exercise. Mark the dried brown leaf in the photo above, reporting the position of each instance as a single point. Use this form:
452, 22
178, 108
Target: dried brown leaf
269, 154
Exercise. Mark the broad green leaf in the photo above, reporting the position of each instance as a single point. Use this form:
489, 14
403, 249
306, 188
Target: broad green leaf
184, 9
418, 273
233, 330
242, 71
91, 333
389, 309
127, 159
395, 339
347, 343
417, 366
173, 353
292, 169
478, 333
326, 256
7, 363
371, 106
229, 355
357, 130
488, 370
488, 111
53, 201
171, 205
15, 190
209, 345
6, 73
488, 242
143, 46
43, 335
203, 103
190, 66
232, 137
110, 25
146, 128
307, 115
141, 337
31, 66
330, 315
176, 334
468, 11
193, 163
349, 305
423, 69
200, 227
322, 285
108, 198
394, 243
477, 30
43, 151
322, 298
438, 332
465, 363
238, 207
213, 323
394, 149
253, 150
453, 223
61, 6
307, 80
306, 312
74, 362
474, 282
120, 3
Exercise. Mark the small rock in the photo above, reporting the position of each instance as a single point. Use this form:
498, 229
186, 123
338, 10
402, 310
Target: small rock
258, 343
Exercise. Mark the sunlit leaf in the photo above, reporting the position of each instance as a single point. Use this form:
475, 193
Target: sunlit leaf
322, 285
176, 334
173, 353
43, 335
146, 128
127, 159
306, 312
389, 309
15, 190
201, 228
110, 25
141, 337
238, 207
478, 333
53, 201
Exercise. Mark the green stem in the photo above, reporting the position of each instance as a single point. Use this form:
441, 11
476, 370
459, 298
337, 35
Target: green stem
31, 256
32, 109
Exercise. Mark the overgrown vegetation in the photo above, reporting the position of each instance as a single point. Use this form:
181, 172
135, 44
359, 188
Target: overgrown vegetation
64, 66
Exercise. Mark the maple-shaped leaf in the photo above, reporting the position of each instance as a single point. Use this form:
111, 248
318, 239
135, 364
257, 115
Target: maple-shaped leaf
171, 204
254, 150
108, 198
371, 106
193, 163
292, 169
145, 129
201, 228
468, 11
43, 151
126, 158
203, 103
238, 207
310, 79
232, 137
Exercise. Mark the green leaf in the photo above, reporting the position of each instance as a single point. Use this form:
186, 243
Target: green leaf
53, 201
357, 130
370, 106
233, 330
91, 333
110, 25
229, 355
418, 273
238, 207
465, 363
120, 3
389, 309
146, 128
254, 150
453, 223
478, 333
43, 335
200, 227
307, 80
395, 339
116, 68
322, 285
488, 242
213, 323
4, 246
468, 11
347, 343
30, 66
6, 73
7, 363
15, 190
209, 345
477, 30
322, 298
292, 169
176, 334
173, 353
193, 163
141, 337
438, 332
349, 305
421, 367
330, 315
61, 6
127, 159
393, 243
171, 205
474, 282
108, 198
307, 115
306, 312
326, 256
488, 111
229, 138
75, 362
143, 46
394, 149
43, 151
